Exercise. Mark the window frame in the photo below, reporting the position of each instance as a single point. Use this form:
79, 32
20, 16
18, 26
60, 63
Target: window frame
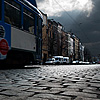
17, 10
30, 15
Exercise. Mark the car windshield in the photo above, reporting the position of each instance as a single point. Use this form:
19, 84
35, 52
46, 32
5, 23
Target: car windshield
56, 59
50, 59
65, 59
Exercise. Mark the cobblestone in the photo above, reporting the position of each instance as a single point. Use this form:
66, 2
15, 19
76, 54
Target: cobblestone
62, 82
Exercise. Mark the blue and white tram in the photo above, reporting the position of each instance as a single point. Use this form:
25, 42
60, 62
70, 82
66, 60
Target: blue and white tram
20, 32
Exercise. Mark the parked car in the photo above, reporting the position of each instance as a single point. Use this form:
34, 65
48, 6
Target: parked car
65, 60
98, 62
58, 59
87, 63
50, 61
93, 62
81, 62
75, 62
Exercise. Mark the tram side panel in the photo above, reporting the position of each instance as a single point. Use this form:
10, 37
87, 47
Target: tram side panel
22, 40
23, 47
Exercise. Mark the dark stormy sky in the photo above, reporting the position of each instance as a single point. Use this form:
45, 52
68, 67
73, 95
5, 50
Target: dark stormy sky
82, 17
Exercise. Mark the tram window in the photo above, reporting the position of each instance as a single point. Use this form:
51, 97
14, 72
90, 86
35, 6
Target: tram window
12, 14
12, 2
28, 24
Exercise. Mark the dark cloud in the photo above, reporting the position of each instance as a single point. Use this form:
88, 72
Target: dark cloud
39, 1
86, 28
91, 27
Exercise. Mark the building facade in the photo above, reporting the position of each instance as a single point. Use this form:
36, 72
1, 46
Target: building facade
57, 42
64, 44
50, 38
76, 48
44, 38
55, 38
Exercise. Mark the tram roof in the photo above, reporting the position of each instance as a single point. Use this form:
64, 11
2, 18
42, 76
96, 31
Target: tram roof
33, 2
32, 6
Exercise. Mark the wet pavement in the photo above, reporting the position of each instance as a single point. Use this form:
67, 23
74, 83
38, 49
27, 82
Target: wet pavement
62, 82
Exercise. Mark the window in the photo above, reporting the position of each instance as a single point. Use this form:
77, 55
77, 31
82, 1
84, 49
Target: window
0, 9
12, 13
56, 59
13, 3
28, 24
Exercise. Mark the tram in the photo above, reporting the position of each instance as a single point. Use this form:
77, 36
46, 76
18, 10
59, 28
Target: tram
20, 32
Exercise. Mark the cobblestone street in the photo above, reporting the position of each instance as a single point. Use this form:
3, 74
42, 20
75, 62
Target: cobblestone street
63, 82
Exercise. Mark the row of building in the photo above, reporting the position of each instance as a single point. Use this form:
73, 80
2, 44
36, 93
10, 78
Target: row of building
57, 42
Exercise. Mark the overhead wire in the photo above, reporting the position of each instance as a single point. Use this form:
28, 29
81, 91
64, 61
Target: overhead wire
78, 24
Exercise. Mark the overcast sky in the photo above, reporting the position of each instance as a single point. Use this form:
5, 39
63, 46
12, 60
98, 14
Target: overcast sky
82, 17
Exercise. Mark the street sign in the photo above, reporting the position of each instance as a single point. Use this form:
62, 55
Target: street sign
4, 47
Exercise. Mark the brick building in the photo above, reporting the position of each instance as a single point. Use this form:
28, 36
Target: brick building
44, 38
64, 43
